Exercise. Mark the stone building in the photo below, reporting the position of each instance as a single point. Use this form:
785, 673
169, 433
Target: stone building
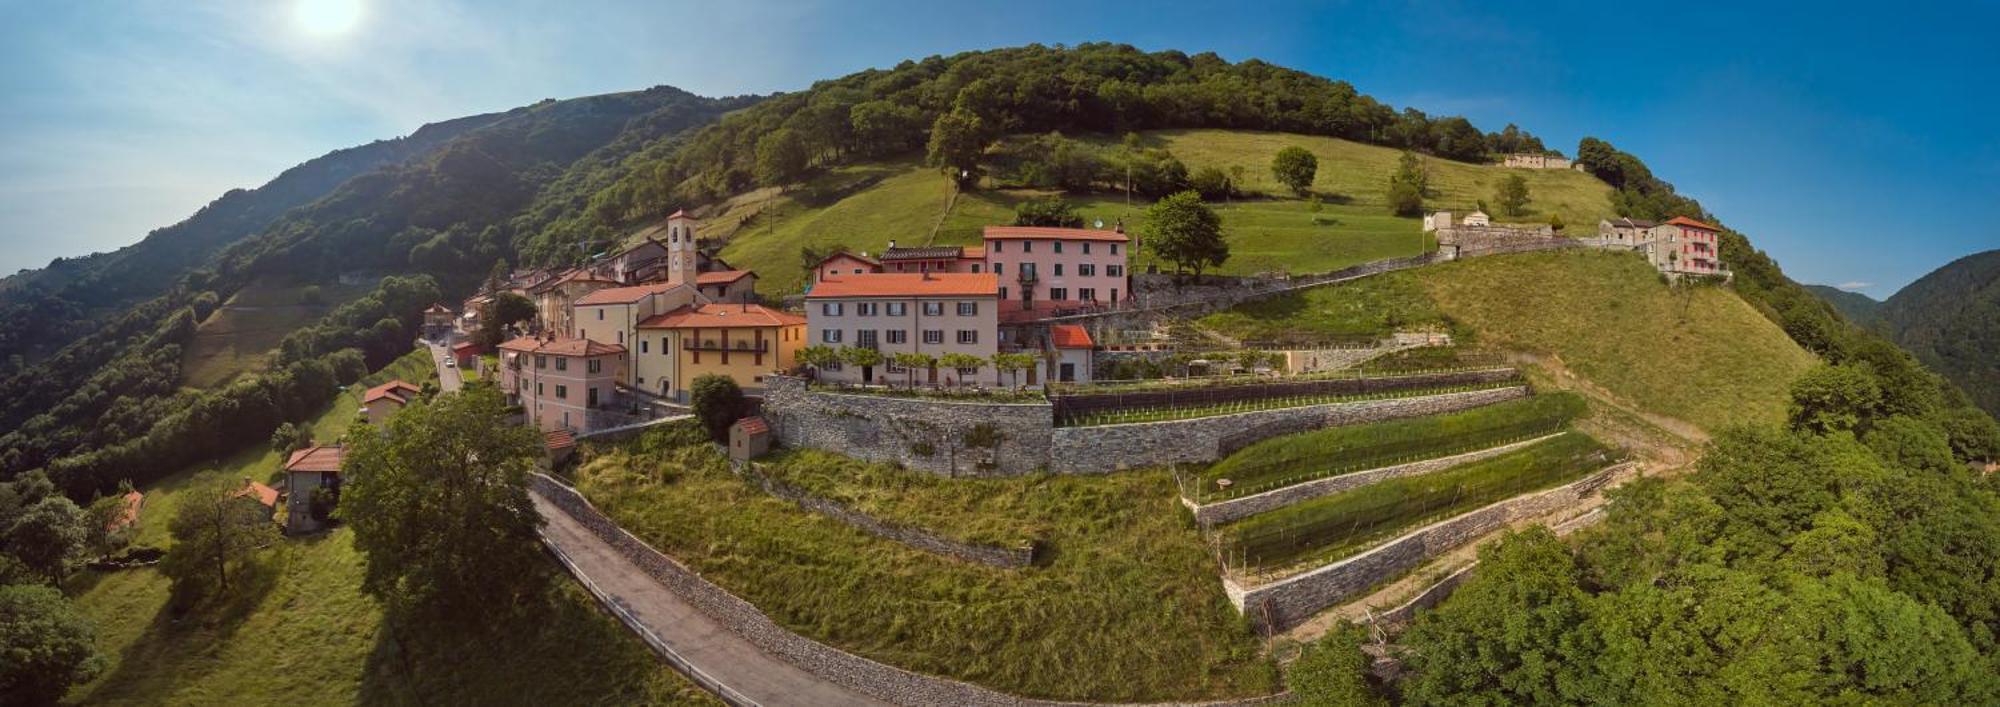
1625, 231
1537, 161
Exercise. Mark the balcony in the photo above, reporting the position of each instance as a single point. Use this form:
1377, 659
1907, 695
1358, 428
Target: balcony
1027, 277
733, 347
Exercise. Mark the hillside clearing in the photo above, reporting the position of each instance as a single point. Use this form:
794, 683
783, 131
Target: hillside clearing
236, 337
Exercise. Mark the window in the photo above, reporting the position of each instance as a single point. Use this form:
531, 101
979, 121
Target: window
538, 390
1027, 246
1114, 270
541, 361
832, 366
830, 336
896, 336
831, 309
590, 397
594, 366
562, 364
867, 309
999, 268
899, 309
600, 314
968, 372
1003, 293
933, 309
997, 248
976, 266
1087, 294
621, 338
1058, 293
893, 368
665, 348
1086, 269
865, 338
1114, 249
1058, 245
1086, 249
562, 392
968, 336
1114, 294
968, 309
933, 336
642, 346
1058, 269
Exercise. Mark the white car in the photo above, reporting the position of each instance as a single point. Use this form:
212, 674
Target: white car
448, 363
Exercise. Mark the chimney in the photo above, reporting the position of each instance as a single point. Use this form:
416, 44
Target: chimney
1119, 226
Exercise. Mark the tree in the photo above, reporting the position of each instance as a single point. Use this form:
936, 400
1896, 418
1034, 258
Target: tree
717, 402
1407, 186
1184, 231
818, 356
504, 310
438, 500
1512, 195
1556, 222
1334, 671
289, 438
105, 530
910, 362
47, 536
861, 357
781, 158
960, 362
1014, 364
958, 143
1212, 183
1834, 398
1053, 211
1499, 639
46, 646
1295, 167
216, 535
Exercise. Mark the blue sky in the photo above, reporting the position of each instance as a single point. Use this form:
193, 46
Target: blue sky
1852, 141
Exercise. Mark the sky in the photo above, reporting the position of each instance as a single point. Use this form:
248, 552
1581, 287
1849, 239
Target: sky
1852, 141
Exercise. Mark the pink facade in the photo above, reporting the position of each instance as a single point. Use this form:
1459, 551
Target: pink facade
933, 314
1058, 265
563, 384
1684, 245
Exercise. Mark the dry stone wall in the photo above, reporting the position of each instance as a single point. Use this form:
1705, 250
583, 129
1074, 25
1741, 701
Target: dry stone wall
883, 682
938, 436
1285, 603
1225, 511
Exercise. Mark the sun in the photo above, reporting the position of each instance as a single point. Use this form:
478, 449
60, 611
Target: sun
327, 18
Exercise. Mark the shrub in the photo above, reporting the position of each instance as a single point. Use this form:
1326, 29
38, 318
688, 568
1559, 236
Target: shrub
717, 402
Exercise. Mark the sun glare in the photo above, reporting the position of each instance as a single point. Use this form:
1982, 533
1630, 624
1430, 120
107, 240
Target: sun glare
327, 18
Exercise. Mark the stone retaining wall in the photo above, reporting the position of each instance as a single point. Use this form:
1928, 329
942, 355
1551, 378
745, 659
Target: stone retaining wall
1285, 603
992, 555
883, 682
1105, 448
1225, 511
939, 436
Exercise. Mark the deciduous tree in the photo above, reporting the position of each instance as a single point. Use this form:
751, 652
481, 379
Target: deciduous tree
217, 532
1183, 231
1295, 168
717, 402
1512, 195
46, 646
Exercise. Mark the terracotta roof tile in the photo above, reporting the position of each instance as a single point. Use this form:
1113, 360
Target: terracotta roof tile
398, 390
258, 492
930, 253
1057, 234
754, 425
1690, 223
323, 459
908, 285
851, 256
1070, 336
558, 439
722, 277
562, 347
722, 316
625, 295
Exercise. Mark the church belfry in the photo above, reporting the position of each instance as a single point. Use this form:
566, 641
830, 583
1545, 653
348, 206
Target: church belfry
683, 257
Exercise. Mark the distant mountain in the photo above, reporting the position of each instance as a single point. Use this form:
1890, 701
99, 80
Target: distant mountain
1858, 308
41, 310
1951, 320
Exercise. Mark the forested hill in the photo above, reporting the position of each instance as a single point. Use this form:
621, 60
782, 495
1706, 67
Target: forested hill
1858, 308
109, 405
1951, 320
41, 310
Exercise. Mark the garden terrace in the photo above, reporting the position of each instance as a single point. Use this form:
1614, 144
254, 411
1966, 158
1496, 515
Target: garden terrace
1293, 459
1337, 526
975, 394
1183, 402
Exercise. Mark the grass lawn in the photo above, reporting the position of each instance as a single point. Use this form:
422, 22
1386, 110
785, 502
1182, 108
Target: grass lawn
1699, 354
1332, 527
861, 207
304, 634
237, 336
1290, 459
1369, 307
1126, 606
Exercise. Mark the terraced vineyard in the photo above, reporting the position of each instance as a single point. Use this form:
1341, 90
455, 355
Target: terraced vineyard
1293, 459
1160, 402
1333, 527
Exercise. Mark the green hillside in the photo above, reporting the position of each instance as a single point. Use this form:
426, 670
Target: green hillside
1699, 354
238, 336
863, 207
1858, 308
1950, 319
305, 634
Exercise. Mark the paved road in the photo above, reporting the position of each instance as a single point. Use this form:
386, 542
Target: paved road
677, 627
448, 379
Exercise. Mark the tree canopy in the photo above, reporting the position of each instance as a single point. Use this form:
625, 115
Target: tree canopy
1182, 230
1295, 167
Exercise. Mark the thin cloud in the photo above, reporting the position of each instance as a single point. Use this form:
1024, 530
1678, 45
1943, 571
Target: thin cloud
1854, 286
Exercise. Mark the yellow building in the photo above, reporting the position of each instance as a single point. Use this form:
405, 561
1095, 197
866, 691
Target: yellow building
742, 341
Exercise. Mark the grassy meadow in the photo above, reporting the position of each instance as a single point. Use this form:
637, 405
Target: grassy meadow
236, 337
863, 207
1125, 604
1369, 307
301, 632
1700, 354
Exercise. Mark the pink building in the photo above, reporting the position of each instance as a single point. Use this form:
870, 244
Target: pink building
1035, 266
564, 384
928, 313
1684, 245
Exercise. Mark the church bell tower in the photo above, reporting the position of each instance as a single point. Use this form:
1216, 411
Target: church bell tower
683, 258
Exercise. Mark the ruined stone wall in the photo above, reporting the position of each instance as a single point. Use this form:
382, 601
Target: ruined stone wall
1285, 603
1209, 514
